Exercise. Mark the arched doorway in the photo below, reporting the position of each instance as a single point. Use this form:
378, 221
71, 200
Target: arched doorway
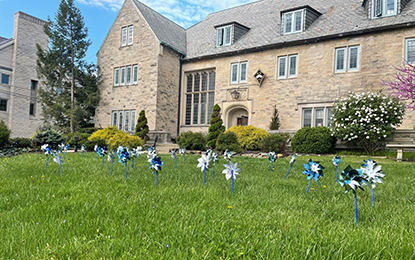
237, 116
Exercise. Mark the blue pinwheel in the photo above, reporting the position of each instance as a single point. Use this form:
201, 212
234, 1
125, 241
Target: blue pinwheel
65, 149
292, 161
137, 152
272, 157
47, 150
230, 171
83, 147
102, 151
214, 156
374, 175
57, 159
183, 152
351, 179
336, 161
227, 155
204, 164
123, 157
313, 170
173, 155
155, 165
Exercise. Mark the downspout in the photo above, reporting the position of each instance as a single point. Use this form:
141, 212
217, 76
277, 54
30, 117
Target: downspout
180, 94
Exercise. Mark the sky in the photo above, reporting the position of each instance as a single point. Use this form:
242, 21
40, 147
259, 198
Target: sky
99, 15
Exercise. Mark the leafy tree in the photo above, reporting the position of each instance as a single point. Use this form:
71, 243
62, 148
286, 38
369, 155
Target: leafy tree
216, 127
275, 120
403, 86
366, 119
69, 92
141, 128
4, 134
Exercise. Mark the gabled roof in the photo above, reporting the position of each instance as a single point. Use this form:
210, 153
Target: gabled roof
339, 18
166, 31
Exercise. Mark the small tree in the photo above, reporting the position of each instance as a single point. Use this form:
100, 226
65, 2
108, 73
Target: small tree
366, 119
403, 86
216, 127
141, 129
275, 120
4, 133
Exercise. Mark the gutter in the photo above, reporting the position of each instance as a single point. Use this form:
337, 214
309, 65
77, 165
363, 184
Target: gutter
173, 48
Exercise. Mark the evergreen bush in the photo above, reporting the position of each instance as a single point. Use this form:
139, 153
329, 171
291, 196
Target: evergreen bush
275, 120
20, 142
83, 139
125, 140
316, 140
47, 135
216, 127
274, 142
191, 141
228, 141
4, 134
249, 136
141, 128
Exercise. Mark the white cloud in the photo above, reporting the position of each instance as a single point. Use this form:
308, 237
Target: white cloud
184, 12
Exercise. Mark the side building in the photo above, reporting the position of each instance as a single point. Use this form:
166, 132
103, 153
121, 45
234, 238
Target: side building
19, 81
297, 55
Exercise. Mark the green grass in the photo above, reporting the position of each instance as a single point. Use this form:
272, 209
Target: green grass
86, 214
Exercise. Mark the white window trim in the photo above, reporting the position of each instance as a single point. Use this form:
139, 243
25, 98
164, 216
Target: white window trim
406, 49
126, 120
246, 72
357, 58
116, 76
344, 60
132, 121
289, 66
124, 36
114, 113
237, 73
128, 80
313, 107
122, 77
135, 68
120, 119
7, 105
293, 21
279, 67
383, 11
130, 35
219, 35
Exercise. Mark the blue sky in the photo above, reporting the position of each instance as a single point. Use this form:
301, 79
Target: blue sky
100, 14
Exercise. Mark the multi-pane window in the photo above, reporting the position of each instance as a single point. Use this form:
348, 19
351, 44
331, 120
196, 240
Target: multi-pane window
116, 76
287, 66
122, 76
33, 84
128, 81
346, 58
239, 72
126, 75
199, 97
5, 78
316, 116
383, 8
3, 104
124, 119
135, 74
224, 35
410, 50
124, 36
130, 35
293, 22
32, 109
127, 35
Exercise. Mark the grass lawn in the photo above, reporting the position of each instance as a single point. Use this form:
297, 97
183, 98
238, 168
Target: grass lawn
86, 214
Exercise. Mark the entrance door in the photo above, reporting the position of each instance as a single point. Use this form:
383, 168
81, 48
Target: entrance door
242, 121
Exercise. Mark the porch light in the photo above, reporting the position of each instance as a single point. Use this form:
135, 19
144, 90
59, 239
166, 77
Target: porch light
235, 94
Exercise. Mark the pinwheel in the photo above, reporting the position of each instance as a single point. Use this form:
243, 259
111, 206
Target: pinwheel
155, 165
313, 170
46, 150
96, 150
292, 161
227, 155
230, 171
123, 157
111, 160
214, 156
374, 174
83, 147
183, 151
272, 157
352, 179
336, 161
60, 148
65, 149
151, 152
102, 151
173, 155
138, 152
204, 164
57, 159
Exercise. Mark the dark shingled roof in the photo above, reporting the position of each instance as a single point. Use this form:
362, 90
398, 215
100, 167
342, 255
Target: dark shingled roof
167, 32
339, 18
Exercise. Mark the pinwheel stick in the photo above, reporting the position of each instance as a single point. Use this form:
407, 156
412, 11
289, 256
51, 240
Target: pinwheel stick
60, 164
82, 153
271, 166
103, 157
289, 170
204, 174
232, 180
96, 155
47, 160
126, 174
175, 161
184, 158
112, 163
318, 182
355, 204
308, 187
213, 168
337, 172
373, 198
156, 177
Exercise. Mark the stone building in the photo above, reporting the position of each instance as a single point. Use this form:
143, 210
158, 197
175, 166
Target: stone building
297, 55
19, 81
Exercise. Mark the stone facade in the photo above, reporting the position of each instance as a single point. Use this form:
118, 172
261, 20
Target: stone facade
19, 61
156, 90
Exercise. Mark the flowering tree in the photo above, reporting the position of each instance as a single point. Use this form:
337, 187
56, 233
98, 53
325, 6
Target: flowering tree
366, 119
403, 86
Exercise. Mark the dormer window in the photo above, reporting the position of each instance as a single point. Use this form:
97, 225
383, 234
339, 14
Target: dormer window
293, 22
382, 8
224, 35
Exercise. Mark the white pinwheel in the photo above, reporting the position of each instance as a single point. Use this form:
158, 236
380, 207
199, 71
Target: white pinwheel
203, 162
230, 170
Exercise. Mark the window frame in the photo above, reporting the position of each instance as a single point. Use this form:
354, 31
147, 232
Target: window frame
33, 83
336, 69
313, 108
383, 10
347, 59
116, 76
406, 50
238, 66
293, 22
115, 116
124, 36
132, 121
130, 35
245, 74
3, 100
221, 36
32, 108
122, 76
289, 66
279, 76
232, 72
8, 78
128, 76
120, 120
135, 74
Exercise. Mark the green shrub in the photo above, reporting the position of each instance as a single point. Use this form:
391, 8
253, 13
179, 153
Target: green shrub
316, 140
141, 129
47, 135
249, 136
228, 140
216, 127
88, 130
83, 139
192, 141
274, 142
4, 134
275, 120
20, 142
112, 137
101, 137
